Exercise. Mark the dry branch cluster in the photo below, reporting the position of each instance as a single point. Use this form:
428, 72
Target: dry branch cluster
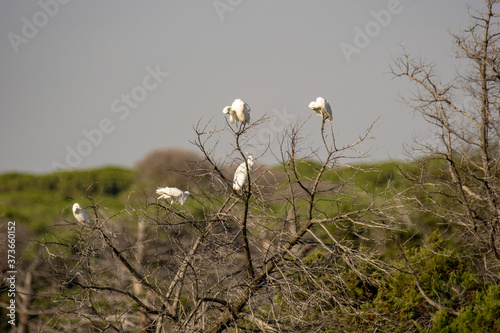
233, 259
459, 173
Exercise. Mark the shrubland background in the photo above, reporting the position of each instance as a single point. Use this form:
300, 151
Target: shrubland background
41, 206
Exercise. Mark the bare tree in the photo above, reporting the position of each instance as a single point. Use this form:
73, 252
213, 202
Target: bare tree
274, 256
457, 178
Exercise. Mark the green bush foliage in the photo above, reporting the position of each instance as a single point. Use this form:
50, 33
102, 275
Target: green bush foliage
384, 302
42, 200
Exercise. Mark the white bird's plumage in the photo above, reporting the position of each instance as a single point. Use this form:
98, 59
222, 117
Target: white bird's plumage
322, 108
241, 175
238, 111
173, 194
80, 214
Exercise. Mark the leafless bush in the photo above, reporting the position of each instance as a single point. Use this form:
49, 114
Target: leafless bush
456, 177
270, 257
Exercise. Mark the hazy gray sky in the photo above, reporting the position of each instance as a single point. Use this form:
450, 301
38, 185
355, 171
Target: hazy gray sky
110, 81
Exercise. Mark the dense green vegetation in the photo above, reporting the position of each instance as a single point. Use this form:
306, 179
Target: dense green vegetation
39, 201
441, 265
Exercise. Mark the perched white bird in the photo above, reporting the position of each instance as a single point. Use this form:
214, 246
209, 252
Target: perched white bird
81, 215
241, 175
173, 194
322, 108
238, 111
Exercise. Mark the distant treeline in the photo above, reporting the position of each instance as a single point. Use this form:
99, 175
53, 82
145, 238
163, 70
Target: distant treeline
108, 181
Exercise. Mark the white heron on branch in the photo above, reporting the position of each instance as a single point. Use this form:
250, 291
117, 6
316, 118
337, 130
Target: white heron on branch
173, 194
81, 215
322, 108
238, 111
241, 174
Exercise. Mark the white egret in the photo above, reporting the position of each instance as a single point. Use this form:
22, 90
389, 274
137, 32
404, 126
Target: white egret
173, 194
241, 174
238, 111
81, 215
322, 108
